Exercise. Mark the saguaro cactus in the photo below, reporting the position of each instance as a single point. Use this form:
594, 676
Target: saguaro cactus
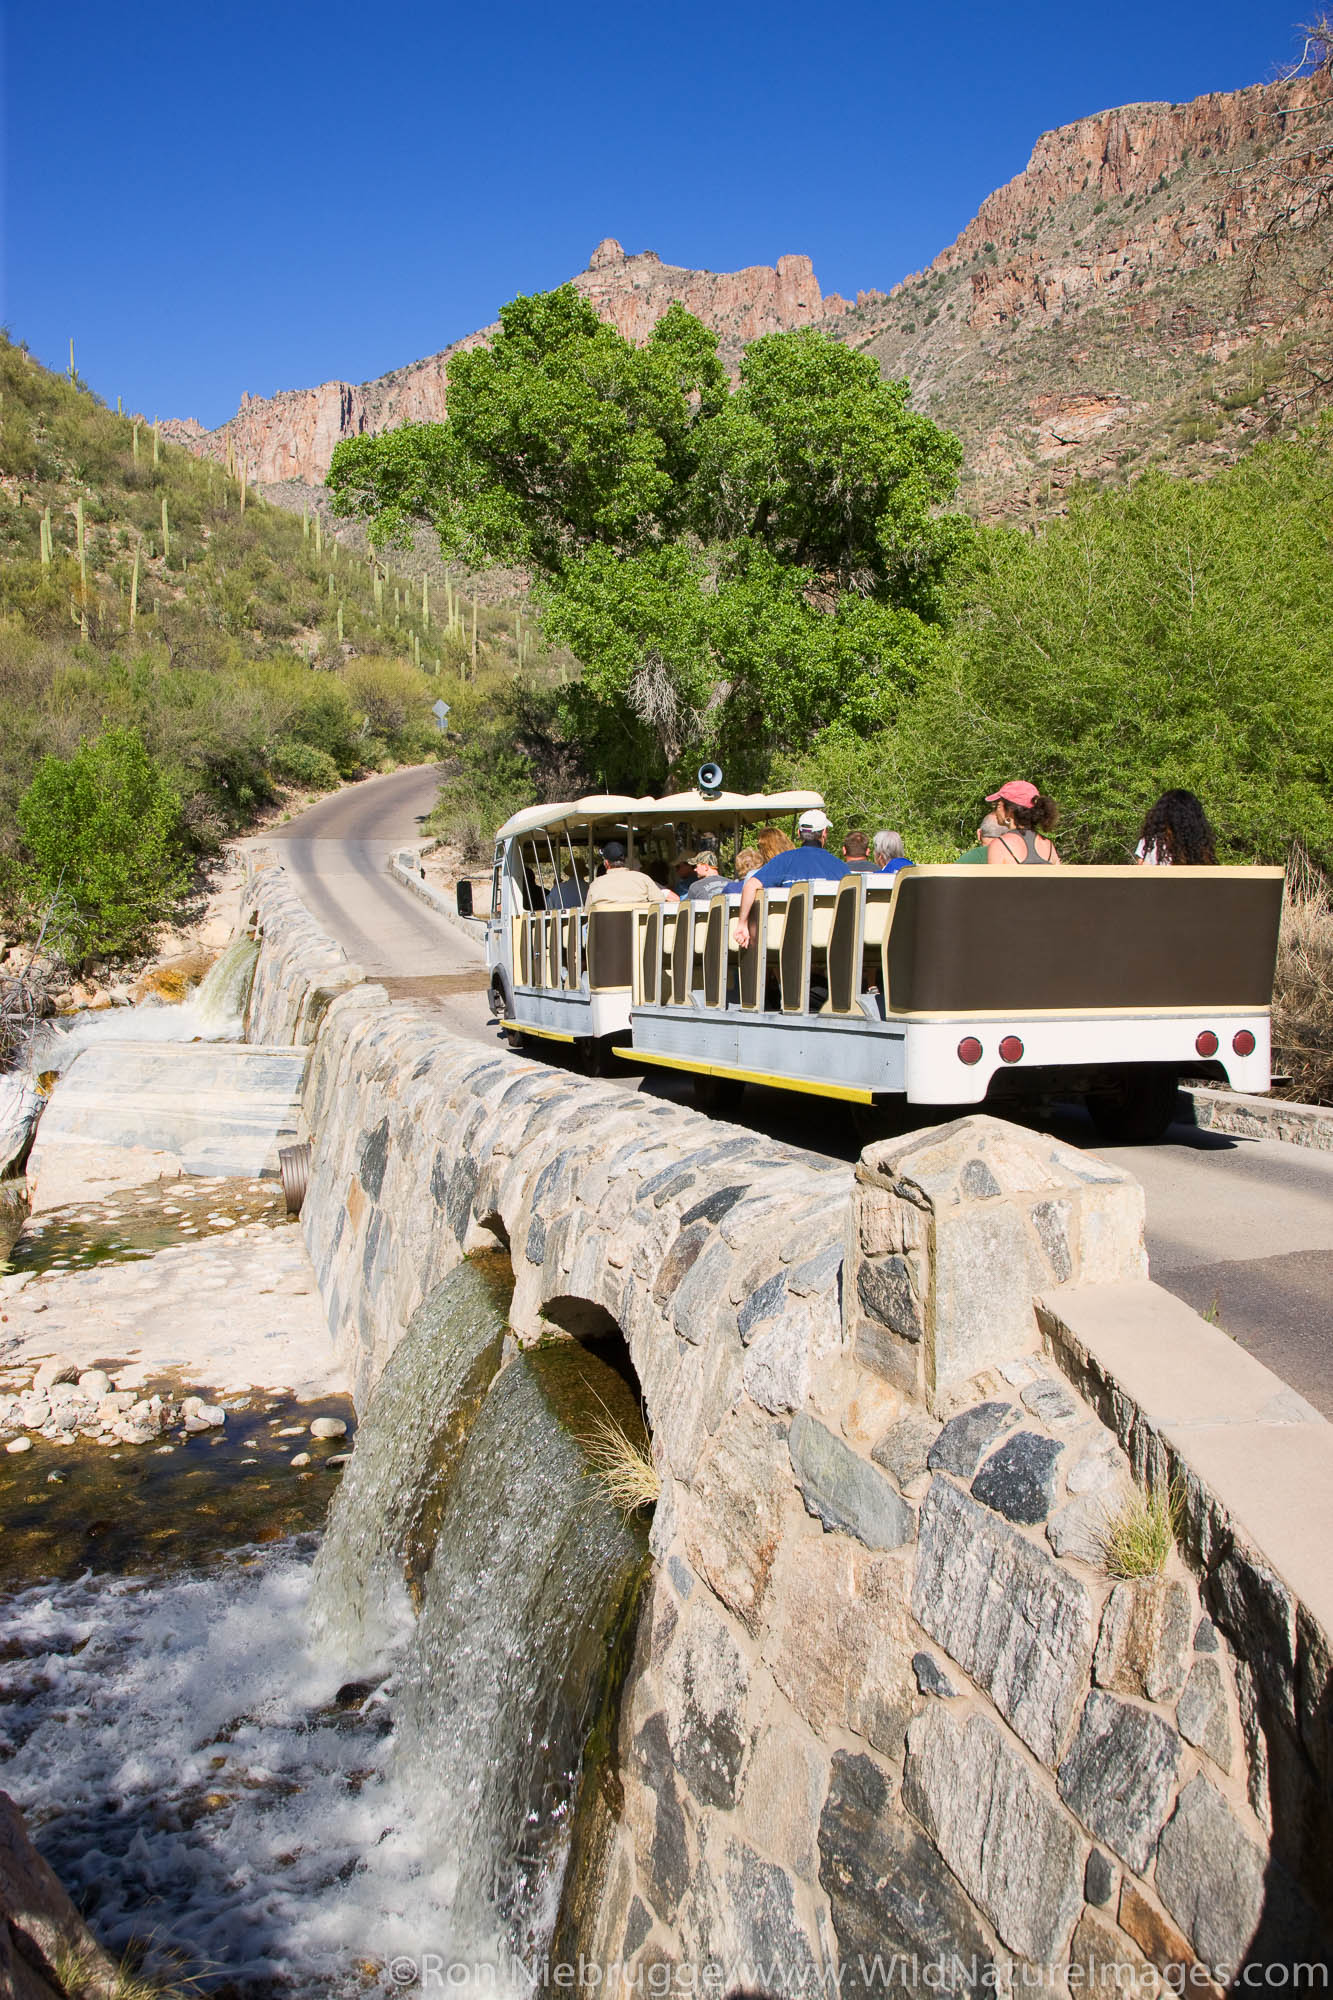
79, 540
425, 602
319, 536
134, 441
47, 550
134, 588
166, 532
340, 622
155, 441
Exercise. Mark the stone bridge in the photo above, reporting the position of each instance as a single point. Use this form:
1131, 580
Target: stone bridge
886, 1697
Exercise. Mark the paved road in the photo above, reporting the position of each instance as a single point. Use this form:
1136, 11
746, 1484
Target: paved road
1242, 1229
338, 853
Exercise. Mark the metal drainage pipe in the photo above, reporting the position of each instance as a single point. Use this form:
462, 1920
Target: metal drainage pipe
294, 1166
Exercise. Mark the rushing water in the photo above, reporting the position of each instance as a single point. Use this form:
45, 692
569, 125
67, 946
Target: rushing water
214, 1012
382, 1531
200, 1768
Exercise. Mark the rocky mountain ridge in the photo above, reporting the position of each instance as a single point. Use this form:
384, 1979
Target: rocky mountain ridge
1152, 288
291, 436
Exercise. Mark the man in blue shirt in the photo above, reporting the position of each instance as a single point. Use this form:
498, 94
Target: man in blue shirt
810, 862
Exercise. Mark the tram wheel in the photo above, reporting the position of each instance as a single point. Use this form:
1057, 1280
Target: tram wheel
1136, 1109
719, 1096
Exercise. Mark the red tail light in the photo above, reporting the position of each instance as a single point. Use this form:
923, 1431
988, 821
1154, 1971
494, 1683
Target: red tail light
1243, 1042
1206, 1043
1011, 1049
969, 1050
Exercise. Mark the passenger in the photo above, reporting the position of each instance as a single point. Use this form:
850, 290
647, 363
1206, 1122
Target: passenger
1176, 834
658, 870
810, 862
887, 846
707, 880
989, 830
624, 885
772, 840
747, 861
567, 894
684, 874
1025, 818
856, 853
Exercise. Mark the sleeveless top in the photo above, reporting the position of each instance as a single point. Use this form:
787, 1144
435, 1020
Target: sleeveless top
1030, 859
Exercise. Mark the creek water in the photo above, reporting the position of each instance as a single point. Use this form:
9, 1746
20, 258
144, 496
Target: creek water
213, 1012
311, 1767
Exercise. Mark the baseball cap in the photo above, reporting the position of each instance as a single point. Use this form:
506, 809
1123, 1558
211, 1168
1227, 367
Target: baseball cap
1018, 792
705, 858
613, 850
813, 821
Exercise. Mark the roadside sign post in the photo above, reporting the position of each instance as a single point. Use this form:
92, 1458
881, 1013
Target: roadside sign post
440, 710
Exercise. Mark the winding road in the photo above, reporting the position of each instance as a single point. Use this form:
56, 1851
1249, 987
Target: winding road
1242, 1229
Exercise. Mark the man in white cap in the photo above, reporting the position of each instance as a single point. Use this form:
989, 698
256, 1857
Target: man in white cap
810, 862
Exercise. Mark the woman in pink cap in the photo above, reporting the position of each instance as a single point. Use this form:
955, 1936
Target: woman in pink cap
1025, 819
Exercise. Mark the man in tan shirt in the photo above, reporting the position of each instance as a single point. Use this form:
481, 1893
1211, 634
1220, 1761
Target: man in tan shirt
624, 885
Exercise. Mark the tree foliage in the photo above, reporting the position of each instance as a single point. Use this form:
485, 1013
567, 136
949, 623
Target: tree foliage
1176, 633
734, 568
102, 830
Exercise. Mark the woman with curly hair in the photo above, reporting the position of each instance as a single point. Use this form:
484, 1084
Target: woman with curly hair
1025, 817
1176, 834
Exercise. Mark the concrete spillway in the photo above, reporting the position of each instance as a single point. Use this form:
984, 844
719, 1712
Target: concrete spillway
216, 1107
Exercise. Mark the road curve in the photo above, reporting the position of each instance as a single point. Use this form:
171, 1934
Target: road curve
338, 854
1242, 1229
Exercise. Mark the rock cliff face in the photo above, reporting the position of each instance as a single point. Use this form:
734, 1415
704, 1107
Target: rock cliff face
1152, 287
291, 436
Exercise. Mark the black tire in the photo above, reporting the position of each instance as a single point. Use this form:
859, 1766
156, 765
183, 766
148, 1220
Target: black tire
888, 1120
719, 1096
1137, 1109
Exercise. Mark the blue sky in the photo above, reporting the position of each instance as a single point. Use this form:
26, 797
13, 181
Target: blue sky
216, 199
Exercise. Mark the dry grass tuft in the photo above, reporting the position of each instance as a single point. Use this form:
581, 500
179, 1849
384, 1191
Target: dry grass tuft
1303, 985
1140, 1535
623, 1468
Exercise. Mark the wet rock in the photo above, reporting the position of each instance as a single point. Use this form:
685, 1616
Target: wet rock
1144, 1636
705, 1682
1210, 1876
961, 1444
1016, 1853
1019, 1481
1017, 1622
1118, 1775
328, 1427
845, 1492
301, 1458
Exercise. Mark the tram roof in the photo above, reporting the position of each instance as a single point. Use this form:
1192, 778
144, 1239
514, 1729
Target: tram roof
693, 806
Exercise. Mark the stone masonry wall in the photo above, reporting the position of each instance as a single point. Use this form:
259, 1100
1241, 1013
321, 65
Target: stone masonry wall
886, 1698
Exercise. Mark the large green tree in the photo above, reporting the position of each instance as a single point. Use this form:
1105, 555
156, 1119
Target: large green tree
735, 567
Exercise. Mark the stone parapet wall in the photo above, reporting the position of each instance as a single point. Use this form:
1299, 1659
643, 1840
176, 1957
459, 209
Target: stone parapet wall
886, 1698
300, 968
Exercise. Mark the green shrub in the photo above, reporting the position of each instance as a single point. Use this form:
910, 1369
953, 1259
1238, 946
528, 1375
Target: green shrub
303, 764
102, 834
